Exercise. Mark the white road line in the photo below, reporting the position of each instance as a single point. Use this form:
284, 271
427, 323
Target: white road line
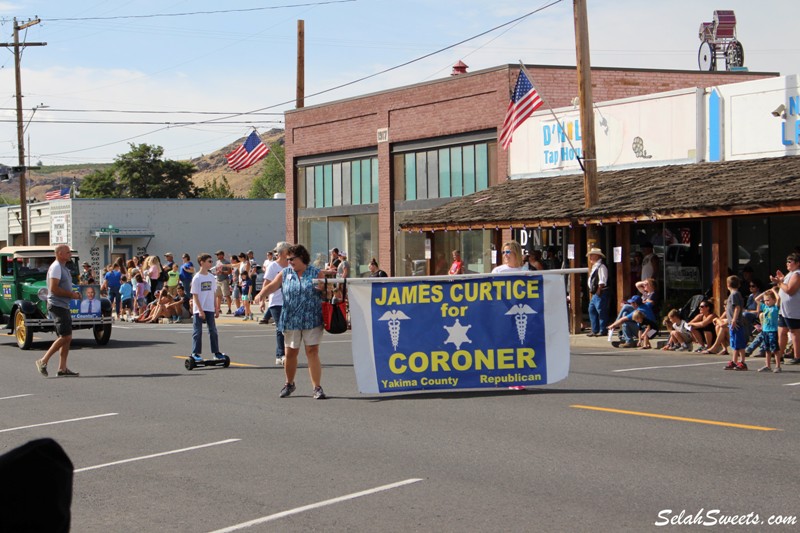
17, 396
142, 458
670, 366
58, 422
785, 385
317, 505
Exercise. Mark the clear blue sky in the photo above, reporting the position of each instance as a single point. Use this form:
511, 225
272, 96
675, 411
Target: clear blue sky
238, 61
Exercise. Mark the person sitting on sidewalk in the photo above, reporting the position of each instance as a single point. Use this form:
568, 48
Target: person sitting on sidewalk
702, 326
680, 336
648, 288
629, 332
721, 338
647, 328
157, 308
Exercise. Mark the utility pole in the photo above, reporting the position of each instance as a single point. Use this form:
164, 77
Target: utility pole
585, 97
23, 196
301, 64
589, 157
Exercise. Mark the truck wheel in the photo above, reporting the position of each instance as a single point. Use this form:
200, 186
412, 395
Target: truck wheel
102, 333
23, 334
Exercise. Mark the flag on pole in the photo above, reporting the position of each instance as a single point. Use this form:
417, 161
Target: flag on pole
248, 154
524, 101
57, 194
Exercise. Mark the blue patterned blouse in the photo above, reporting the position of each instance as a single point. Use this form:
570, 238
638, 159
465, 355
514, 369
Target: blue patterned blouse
302, 303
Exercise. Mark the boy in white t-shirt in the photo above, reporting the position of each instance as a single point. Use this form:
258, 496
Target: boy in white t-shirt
206, 308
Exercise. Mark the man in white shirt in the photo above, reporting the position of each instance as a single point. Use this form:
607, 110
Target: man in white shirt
598, 288
650, 264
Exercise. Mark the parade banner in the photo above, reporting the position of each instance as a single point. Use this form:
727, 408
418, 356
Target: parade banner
453, 333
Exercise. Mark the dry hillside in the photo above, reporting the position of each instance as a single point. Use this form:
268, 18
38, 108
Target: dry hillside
209, 166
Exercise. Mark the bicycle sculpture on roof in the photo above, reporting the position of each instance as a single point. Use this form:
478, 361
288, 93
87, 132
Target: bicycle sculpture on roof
718, 39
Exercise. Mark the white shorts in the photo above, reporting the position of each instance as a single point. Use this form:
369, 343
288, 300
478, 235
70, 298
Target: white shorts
293, 338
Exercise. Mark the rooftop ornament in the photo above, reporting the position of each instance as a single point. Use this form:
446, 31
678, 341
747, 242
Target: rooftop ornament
718, 39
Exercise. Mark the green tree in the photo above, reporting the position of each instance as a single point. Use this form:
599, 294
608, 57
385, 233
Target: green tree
215, 190
273, 177
100, 184
142, 173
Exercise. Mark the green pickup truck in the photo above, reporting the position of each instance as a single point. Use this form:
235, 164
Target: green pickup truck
23, 307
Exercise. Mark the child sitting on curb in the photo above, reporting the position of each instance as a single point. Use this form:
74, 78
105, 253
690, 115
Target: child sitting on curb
680, 336
647, 329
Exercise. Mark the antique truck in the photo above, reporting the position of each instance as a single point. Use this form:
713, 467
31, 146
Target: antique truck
23, 307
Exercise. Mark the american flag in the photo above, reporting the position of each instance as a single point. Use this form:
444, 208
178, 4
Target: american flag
248, 154
57, 194
524, 102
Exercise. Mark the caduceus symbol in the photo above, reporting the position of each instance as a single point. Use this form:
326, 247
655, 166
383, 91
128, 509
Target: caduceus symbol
521, 312
394, 317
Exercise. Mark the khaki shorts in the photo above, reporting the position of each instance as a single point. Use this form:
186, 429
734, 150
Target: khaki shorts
293, 338
223, 288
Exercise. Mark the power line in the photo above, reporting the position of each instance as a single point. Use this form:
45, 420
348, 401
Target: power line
129, 122
390, 69
142, 111
192, 13
364, 78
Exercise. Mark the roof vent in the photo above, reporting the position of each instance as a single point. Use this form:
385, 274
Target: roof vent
459, 68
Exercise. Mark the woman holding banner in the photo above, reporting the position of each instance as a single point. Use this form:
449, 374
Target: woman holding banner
512, 258
301, 316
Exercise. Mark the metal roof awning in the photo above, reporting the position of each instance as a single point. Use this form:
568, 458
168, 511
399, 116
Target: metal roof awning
669, 192
131, 233
123, 232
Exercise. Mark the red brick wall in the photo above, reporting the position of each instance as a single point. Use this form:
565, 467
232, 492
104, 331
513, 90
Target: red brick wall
460, 104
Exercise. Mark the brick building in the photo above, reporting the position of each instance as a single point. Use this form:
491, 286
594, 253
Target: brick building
359, 167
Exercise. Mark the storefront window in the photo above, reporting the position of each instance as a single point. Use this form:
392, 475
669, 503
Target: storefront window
445, 172
678, 247
353, 182
356, 235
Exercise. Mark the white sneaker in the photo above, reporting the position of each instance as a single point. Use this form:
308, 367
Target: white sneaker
280, 360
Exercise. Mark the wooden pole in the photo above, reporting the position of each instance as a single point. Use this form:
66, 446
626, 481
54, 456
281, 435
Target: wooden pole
23, 194
585, 97
301, 64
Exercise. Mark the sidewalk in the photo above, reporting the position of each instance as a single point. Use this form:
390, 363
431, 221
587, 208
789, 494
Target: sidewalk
580, 340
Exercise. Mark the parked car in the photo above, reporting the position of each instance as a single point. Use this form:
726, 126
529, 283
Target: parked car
23, 307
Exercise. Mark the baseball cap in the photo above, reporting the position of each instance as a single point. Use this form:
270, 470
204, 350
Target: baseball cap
635, 300
86, 264
168, 254
218, 252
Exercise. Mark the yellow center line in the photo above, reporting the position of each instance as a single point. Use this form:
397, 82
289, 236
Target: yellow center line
678, 418
232, 363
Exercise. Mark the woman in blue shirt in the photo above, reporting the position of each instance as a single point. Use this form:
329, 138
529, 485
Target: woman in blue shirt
301, 316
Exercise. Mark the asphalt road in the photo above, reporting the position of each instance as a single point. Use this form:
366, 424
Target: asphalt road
629, 440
